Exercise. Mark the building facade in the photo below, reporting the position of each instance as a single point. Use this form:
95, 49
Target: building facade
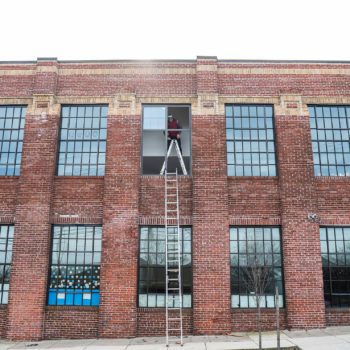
266, 147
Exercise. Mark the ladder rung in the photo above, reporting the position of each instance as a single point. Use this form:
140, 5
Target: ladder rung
174, 319
171, 180
173, 288
171, 195
172, 203
174, 329
171, 210
173, 279
173, 243
173, 270
171, 173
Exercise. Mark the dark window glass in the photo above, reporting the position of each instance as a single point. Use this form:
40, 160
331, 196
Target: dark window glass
249, 139
255, 246
330, 126
82, 149
151, 289
335, 250
11, 138
6, 240
74, 276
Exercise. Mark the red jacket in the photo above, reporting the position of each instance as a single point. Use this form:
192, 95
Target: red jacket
173, 125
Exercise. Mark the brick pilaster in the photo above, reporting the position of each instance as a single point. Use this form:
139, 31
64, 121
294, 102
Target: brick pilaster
29, 271
300, 235
211, 260
117, 312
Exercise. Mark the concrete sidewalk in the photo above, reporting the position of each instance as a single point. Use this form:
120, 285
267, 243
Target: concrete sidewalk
331, 338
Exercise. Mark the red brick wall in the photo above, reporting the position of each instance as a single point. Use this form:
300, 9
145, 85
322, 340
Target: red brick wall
82, 196
152, 191
247, 320
300, 236
254, 197
8, 198
151, 322
30, 258
117, 312
69, 322
211, 262
337, 317
3, 320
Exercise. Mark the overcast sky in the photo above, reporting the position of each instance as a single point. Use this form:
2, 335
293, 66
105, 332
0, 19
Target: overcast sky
177, 29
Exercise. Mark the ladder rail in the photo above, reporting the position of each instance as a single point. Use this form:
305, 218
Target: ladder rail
175, 144
173, 259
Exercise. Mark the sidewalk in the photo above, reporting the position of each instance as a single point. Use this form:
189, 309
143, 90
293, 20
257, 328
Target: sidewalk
331, 338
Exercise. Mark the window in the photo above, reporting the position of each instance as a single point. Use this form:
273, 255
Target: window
6, 239
259, 246
330, 139
74, 277
335, 250
250, 140
11, 138
151, 289
156, 129
82, 148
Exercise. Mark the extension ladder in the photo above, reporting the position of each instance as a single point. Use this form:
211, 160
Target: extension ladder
174, 143
173, 291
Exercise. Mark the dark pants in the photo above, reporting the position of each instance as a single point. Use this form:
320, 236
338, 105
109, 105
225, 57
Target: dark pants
178, 142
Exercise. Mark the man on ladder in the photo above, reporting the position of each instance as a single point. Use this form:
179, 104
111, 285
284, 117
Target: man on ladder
173, 134
174, 141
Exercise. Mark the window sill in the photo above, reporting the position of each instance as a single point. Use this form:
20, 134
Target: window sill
75, 177
252, 177
71, 308
338, 309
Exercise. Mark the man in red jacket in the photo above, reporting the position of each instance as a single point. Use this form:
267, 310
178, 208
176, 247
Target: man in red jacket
173, 125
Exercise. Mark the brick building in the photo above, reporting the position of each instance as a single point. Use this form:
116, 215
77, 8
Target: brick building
266, 145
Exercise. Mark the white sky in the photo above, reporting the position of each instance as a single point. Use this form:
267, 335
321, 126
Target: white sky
177, 29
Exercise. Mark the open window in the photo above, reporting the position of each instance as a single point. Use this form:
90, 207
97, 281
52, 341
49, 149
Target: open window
157, 129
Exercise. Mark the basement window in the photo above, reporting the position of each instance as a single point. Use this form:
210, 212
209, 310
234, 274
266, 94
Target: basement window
151, 286
74, 277
157, 128
6, 240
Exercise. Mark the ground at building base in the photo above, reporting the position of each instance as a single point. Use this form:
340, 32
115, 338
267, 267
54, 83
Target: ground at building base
331, 338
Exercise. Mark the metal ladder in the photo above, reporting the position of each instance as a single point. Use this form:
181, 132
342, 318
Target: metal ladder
175, 144
172, 258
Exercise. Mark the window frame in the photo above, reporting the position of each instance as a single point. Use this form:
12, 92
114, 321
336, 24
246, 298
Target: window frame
250, 140
318, 141
9, 237
167, 105
18, 140
329, 267
273, 266
75, 140
75, 265
139, 266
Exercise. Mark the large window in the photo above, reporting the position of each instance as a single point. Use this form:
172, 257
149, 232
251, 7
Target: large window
151, 289
330, 126
74, 277
255, 246
82, 148
335, 249
6, 239
250, 140
157, 129
11, 138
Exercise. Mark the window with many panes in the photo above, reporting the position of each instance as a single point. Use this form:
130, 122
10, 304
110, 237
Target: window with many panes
250, 140
255, 246
82, 146
11, 138
330, 126
151, 288
6, 240
335, 250
158, 130
74, 276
